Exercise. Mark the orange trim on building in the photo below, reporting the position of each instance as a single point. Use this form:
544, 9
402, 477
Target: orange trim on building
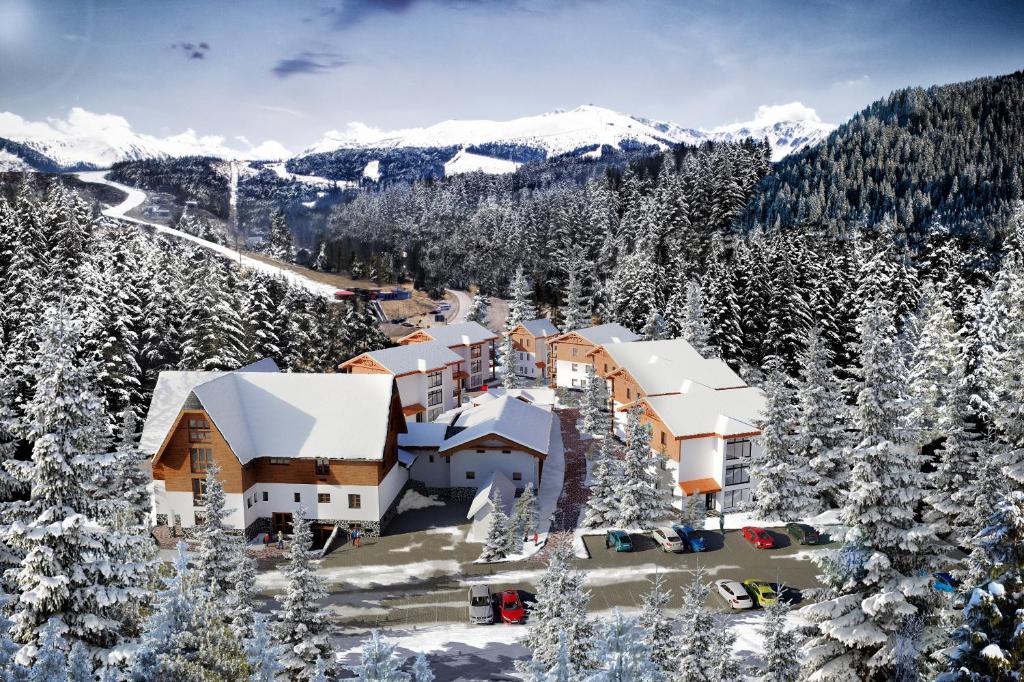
700, 485
415, 408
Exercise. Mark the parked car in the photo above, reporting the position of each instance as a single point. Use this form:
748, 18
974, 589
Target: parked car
618, 540
803, 534
944, 582
691, 538
481, 606
734, 594
761, 592
758, 537
512, 609
668, 540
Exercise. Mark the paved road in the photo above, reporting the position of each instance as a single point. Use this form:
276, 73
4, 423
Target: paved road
461, 307
136, 197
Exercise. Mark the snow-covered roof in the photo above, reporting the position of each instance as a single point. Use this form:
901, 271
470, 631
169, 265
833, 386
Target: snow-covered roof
665, 366
415, 357
461, 334
337, 416
423, 435
605, 334
542, 327
172, 387
495, 482
508, 417
704, 411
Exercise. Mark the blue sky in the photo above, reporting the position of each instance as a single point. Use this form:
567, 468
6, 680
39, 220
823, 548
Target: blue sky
291, 70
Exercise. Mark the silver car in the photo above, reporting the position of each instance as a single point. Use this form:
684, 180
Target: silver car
734, 594
667, 539
481, 609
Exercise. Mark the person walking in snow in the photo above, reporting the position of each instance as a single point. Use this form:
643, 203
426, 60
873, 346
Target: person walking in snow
280, 540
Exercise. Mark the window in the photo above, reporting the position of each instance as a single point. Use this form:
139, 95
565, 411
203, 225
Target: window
323, 466
470, 475
629, 393
355, 502
474, 367
480, 450
298, 497
735, 474
517, 475
661, 435
248, 502
200, 459
431, 459
434, 379
198, 491
266, 496
280, 460
574, 351
196, 436
606, 368
575, 383
522, 356
433, 414
434, 398
734, 498
323, 498
475, 352
506, 452
575, 367
737, 449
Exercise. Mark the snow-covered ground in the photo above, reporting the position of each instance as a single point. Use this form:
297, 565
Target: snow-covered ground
467, 162
285, 174
136, 197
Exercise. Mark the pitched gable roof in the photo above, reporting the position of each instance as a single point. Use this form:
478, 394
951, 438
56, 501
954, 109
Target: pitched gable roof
415, 357
172, 388
460, 334
507, 417
701, 411
496, 482
604, 334
666, 366
542, 328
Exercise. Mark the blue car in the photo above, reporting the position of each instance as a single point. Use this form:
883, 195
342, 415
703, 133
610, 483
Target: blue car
618, 540
693, 541
944, 582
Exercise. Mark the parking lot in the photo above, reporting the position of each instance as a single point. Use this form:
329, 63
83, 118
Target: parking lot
420, 572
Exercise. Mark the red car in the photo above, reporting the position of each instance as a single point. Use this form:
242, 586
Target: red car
512, 610
758, 537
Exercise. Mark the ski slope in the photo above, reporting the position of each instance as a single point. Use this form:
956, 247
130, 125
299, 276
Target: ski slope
136, 197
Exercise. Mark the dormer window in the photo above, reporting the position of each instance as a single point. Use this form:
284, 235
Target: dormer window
323, 466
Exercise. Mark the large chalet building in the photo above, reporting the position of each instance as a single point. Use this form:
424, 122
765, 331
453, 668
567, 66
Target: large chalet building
568, 355
324, 442
473, 342
702, 414
530, 343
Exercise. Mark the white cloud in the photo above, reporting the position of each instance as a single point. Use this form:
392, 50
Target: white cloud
769, 114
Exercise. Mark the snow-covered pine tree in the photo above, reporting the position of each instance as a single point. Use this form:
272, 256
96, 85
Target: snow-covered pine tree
507, 359
821, 422
264, 654
80, 665
72, 571
281, 242
624, 654
524, 518
655, 328
130, 479
784, 480
319, 673
10, 486
261, 340
605, 478
174, 612
724, 665
498, 543
935, 355
694, 327
778, 664
520, 304
575, 308
989, 643
320, 261
50, 663
637, 290
693, 510
858, 630
594, 407
421, 671
1009, 412
695, 640
560, 611
479, 308
378, 662
657, 625
216, 551
302, 625
954, 480
641, 502
240, 600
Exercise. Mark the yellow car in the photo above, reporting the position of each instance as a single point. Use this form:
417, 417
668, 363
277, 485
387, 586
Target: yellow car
761, 592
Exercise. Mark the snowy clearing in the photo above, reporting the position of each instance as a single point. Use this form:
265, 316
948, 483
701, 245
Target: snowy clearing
416, 500
366, 576
467, 162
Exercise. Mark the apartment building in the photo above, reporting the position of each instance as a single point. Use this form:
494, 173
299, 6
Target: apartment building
473, 342
530, 341
568, 357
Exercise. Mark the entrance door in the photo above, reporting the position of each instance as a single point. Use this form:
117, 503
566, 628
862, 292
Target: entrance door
280, 521
709, 501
